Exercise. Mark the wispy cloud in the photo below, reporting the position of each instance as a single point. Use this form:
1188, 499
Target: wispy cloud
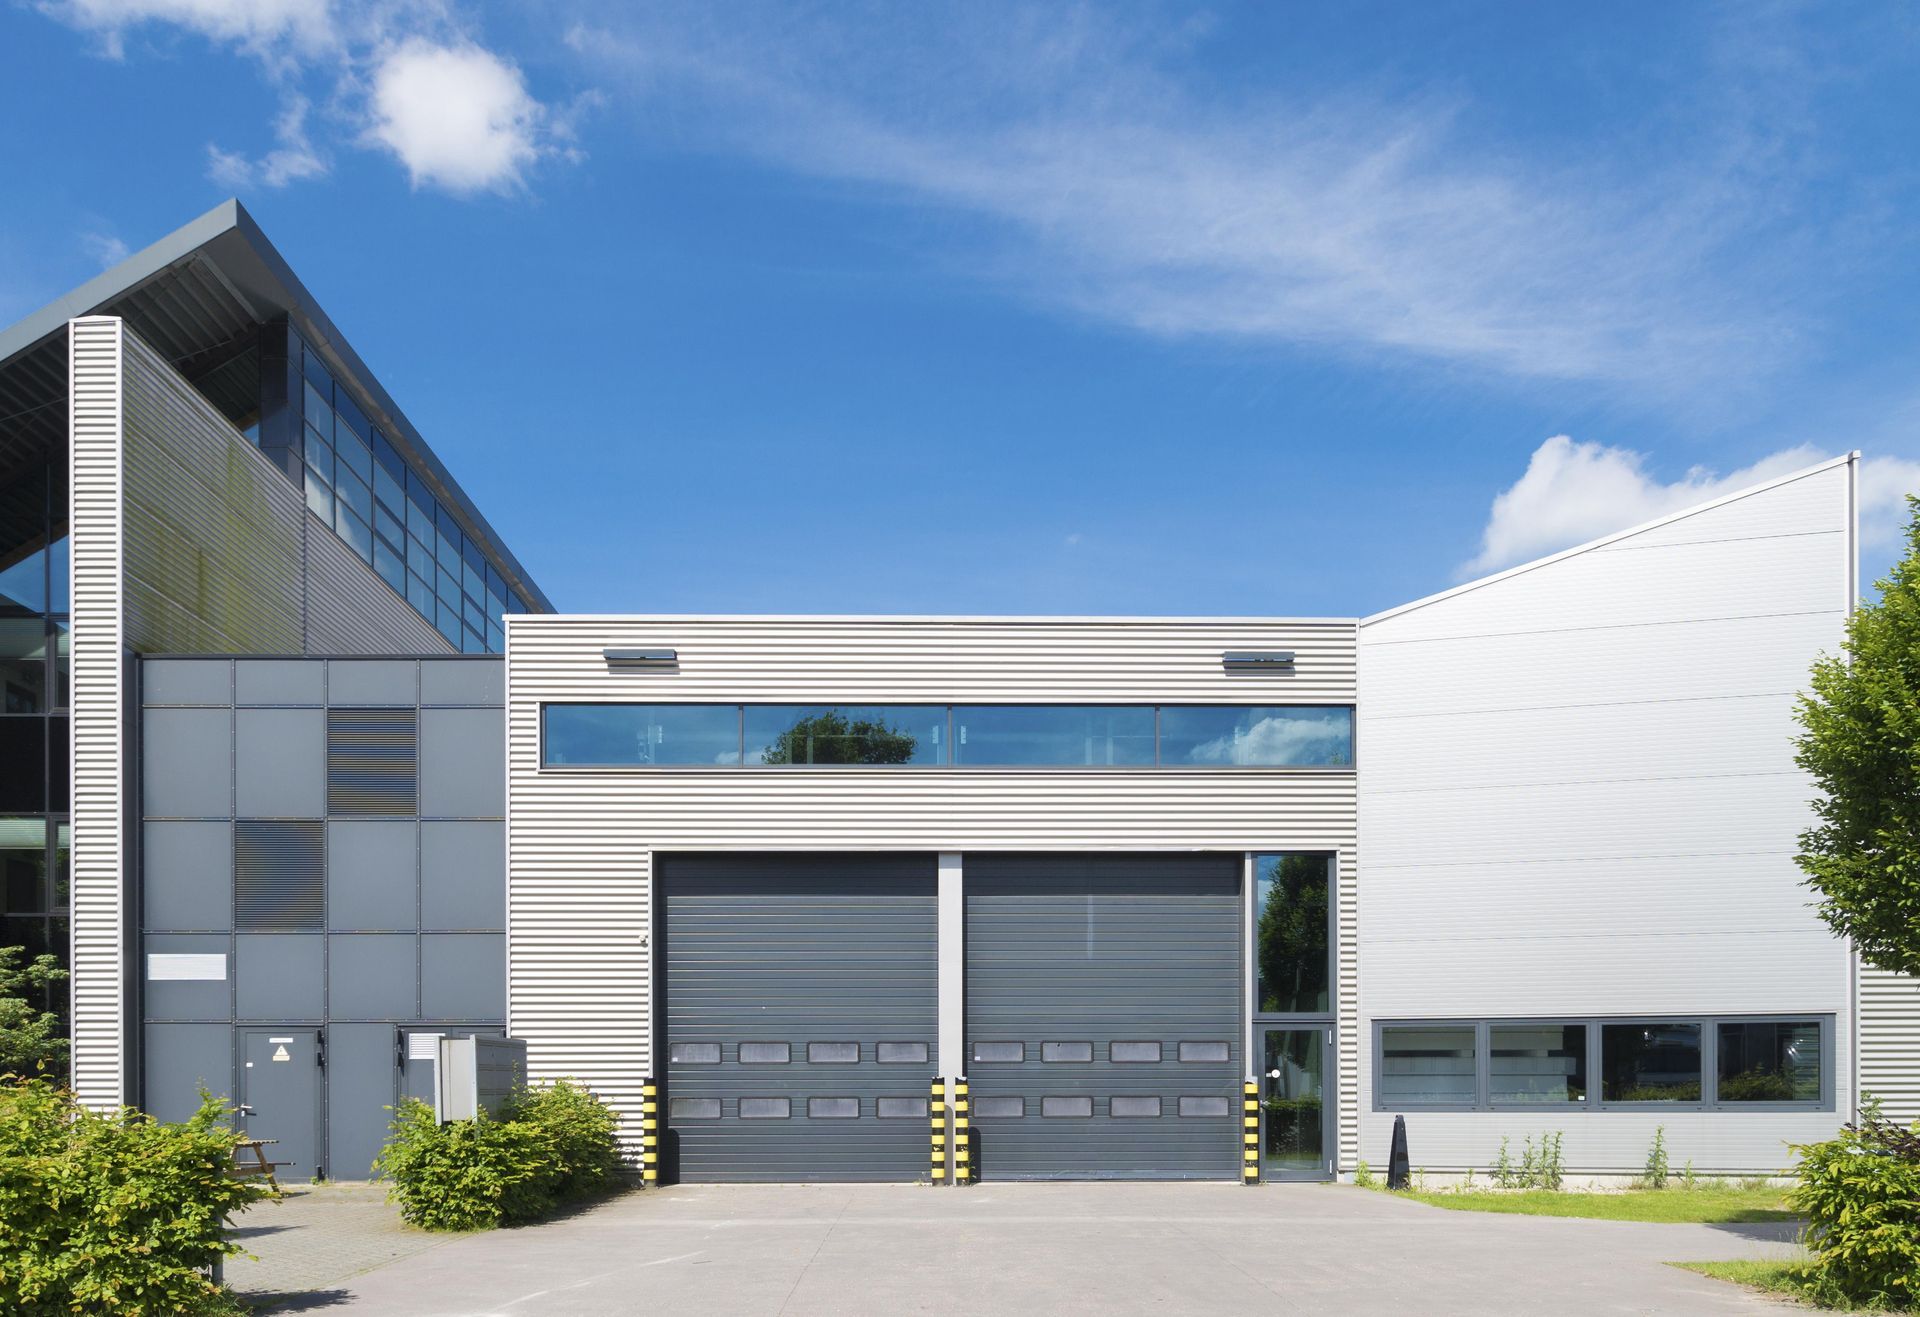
408, 80
1118, 189
1573, 492
105, 248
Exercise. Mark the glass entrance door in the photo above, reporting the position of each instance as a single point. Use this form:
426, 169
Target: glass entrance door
1293, 1105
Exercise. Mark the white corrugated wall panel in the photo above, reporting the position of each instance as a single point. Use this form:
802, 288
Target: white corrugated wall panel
1578, 798
1890, 1041
96, 422
581, 840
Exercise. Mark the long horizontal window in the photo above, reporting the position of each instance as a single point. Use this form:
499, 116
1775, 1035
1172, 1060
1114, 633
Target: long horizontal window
775, 736
1640, 1063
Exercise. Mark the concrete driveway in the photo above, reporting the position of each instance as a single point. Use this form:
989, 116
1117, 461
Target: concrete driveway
1056, 1248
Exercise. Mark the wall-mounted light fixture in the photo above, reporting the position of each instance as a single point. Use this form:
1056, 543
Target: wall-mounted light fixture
641, 658
1251, 660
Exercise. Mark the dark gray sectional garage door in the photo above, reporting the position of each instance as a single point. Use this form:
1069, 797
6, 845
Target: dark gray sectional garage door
1103, 1016
798, 1015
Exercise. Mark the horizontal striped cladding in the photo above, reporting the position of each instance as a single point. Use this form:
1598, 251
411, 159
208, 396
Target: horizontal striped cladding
350, 610
213, 557
581, 841
96, 357
868, 661
1889, 1053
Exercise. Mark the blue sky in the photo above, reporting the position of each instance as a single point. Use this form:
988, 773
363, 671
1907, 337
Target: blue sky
994, 307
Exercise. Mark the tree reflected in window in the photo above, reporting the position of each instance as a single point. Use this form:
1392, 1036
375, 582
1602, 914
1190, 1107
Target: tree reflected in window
1291, 933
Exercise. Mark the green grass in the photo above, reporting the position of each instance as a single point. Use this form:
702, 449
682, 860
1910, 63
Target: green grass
1717, 1204
1792, 1280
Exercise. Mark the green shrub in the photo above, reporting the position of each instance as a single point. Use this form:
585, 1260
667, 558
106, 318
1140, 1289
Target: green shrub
112, 1212
550, 1146
1860, 1193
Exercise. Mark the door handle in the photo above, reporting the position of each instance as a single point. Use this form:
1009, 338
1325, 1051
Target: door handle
244, 1109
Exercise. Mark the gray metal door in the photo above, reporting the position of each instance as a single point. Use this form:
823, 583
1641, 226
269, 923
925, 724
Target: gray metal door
280, 1074
797, 1016
1103, 1016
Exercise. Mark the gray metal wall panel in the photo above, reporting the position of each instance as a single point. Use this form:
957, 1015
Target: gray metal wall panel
373, 682
1102, 949
362, 1074
372, 976
188, 870
187, 681
367, 964
463, 683
279, 976
274, 681
370, 874
279, 763
461, 775
460, 868
463, 976
181, 1060
188, 999
798, 949
187, 762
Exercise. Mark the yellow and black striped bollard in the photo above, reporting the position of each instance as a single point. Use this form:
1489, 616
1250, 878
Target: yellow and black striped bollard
649, 1132
937, 1127
1250, 1136
962, 1134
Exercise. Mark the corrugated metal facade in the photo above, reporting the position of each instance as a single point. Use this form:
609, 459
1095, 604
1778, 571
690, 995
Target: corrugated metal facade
1579, 800
1890, 1042
186, 539
99, 671
581, 840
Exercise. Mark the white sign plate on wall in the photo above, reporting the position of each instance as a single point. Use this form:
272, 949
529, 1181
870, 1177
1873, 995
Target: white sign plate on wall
423, 1047
184, 967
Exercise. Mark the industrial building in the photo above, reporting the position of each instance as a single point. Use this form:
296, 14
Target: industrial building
308, 773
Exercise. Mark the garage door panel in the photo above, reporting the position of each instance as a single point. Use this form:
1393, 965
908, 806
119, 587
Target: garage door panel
1092, 951
787, 951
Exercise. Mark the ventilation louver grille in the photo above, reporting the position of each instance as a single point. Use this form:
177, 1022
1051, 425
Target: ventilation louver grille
277, 868
372, 761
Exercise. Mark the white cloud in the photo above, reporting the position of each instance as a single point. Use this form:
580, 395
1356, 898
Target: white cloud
294, 159
456, 116
1574, 492
104, 248
258, 25
405, 76
1300, 739
1113, 183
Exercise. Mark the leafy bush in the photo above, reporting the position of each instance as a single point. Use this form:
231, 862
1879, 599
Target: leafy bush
1860, 1193
112, 1212
550, 1146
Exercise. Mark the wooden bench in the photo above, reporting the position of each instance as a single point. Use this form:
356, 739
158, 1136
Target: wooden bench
261, 1166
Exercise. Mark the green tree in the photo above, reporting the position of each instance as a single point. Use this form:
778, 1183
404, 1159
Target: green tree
830, 737
1862, 746
31, 1040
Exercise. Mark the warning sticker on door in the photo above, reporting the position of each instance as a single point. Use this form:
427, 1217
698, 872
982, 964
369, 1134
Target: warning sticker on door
280, 1053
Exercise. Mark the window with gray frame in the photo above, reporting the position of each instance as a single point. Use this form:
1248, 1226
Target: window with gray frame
1637, 1063
767, 736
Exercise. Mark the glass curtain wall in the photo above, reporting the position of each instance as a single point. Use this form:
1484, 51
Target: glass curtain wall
358, 483
1293, 1012
34, 634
